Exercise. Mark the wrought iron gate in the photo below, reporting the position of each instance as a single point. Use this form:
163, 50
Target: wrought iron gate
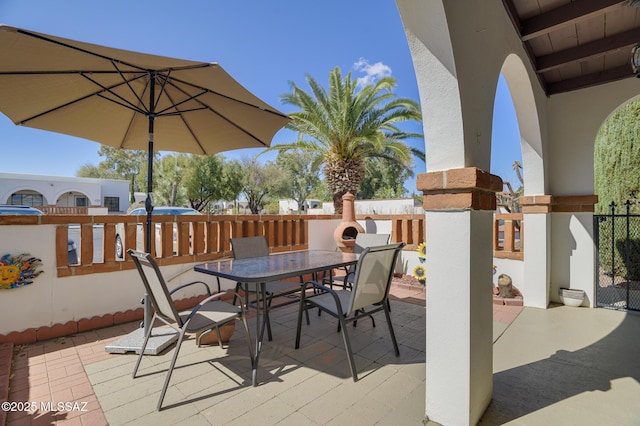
617, 239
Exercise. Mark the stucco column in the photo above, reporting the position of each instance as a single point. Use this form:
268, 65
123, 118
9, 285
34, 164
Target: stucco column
537, 250
573, 224
559, 247
459, 205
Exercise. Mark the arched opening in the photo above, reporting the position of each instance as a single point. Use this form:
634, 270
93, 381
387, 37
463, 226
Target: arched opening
73, 199
506, 162
617, 213
616, 156
506, 153
526, 112
516, 156
27, 197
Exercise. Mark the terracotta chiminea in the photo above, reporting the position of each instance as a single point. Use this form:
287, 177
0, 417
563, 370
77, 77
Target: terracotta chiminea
345, 234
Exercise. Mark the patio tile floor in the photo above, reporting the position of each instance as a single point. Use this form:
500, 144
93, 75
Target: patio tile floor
560, 365
77, 369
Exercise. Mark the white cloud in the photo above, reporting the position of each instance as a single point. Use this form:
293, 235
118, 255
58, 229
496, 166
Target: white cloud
373, 72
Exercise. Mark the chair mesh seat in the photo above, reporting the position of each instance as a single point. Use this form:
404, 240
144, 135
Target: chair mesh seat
328, 303
212, 312
369, 294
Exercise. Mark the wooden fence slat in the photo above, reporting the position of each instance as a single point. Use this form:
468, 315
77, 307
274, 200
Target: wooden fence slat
62, 240
208, 237
109, 242
86, 244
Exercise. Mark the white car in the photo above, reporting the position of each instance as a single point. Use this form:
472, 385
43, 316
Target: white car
11, 209
160, 210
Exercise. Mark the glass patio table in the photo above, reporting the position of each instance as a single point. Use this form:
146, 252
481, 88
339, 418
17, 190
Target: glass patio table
276, 267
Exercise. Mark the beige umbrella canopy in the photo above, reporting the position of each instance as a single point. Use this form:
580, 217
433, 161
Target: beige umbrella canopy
110, 96
128, 100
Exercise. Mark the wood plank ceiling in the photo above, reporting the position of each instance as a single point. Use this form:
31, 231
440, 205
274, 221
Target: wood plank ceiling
576, 44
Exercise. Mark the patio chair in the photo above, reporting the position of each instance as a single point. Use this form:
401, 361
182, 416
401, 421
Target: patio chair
248, 247
369, 295
363, 240
204, 317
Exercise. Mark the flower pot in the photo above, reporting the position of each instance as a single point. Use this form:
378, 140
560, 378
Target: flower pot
571, 296
211, 338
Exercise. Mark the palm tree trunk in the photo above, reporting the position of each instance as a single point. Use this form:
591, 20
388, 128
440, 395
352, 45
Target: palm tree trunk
342, 177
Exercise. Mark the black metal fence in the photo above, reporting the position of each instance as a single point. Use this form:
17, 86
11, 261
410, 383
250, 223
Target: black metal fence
617, 239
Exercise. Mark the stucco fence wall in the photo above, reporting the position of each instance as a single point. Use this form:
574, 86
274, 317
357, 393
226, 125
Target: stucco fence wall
103, 298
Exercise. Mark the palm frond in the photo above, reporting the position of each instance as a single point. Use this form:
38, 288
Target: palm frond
346, 124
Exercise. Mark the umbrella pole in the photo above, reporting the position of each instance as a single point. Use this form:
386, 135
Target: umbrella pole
148, 204
160, 338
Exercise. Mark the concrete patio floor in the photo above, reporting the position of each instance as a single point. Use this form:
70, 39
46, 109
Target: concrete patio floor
556, 366
567, 366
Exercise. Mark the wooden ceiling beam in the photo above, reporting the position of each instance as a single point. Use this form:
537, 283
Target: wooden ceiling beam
593, 49
565, 15
515, 20
590, 80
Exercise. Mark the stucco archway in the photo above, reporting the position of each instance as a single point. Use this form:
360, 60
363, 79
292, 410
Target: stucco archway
24, 192
458, 50
457, 81
71, 197
527, 114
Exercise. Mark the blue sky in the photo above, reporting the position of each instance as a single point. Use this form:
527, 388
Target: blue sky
263, 45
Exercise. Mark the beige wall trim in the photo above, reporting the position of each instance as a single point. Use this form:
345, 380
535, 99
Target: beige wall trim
459, 189
558, 204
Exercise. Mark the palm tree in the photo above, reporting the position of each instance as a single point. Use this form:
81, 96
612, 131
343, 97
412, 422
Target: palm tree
517, 167
510, 199
347, 124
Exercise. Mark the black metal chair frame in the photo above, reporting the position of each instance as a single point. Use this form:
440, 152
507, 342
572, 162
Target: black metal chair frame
208, 315
341, 303
363, 240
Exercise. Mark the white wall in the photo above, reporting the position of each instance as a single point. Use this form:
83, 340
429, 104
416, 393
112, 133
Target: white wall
54, 188
115, 188
51, 300
513, 268
386, 206
291, 206
573, 260
321, 234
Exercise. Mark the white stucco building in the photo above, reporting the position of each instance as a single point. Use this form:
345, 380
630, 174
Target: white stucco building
567, 66
385, 206
37, 190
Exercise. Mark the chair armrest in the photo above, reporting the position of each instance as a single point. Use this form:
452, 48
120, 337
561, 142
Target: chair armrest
190, 284
317, 285
324, 288
211, 298
351, 274
348, 273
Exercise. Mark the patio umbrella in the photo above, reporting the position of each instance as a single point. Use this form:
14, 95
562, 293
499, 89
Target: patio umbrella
128, 100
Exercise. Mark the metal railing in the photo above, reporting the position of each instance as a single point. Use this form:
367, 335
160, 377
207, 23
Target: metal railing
617, 241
